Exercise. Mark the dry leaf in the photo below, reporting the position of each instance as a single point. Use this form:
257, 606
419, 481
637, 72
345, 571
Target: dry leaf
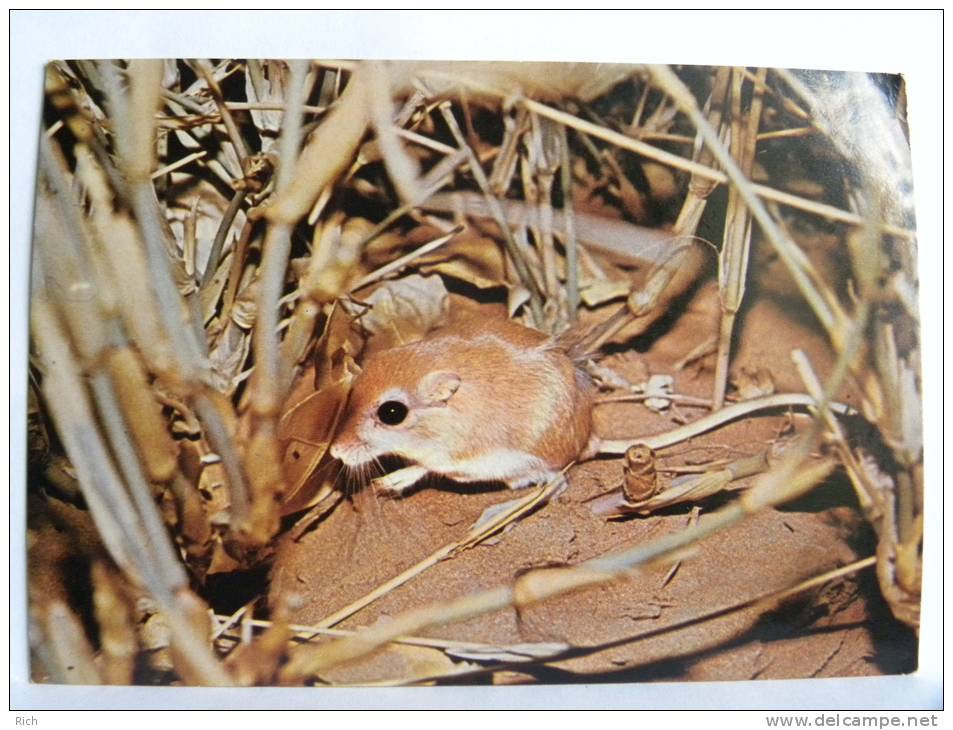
313, 409
228, 355
267, 81
404, 310
474, 259
340, 343
305, 432
595, 292
202, 467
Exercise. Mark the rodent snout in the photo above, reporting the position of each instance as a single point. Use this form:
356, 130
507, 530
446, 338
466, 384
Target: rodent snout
353, 454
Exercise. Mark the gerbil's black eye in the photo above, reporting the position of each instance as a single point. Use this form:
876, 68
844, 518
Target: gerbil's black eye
392, 412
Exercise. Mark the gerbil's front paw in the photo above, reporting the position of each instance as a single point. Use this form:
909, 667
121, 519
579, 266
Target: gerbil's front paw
397, 482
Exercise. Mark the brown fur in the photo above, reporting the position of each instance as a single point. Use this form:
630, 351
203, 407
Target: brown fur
519, 391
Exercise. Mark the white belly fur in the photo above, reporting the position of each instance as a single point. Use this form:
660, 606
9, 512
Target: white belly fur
516, 468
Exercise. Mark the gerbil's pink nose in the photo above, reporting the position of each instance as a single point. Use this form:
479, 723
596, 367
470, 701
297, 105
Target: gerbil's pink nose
350, 452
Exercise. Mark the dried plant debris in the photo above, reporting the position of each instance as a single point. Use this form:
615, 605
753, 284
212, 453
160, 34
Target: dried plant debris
721, 260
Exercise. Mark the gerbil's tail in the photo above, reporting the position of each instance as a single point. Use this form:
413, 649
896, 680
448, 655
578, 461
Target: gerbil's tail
580, 344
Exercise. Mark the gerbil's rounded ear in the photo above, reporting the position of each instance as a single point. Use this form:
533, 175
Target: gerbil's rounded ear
437, 387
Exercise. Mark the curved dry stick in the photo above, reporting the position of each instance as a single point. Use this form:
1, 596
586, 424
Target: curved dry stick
618, 447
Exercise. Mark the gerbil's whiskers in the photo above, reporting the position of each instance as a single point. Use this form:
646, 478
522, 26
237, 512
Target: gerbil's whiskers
376, 468
342, 479
355, 480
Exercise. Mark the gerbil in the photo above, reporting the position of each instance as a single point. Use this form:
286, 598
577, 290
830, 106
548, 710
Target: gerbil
479, 400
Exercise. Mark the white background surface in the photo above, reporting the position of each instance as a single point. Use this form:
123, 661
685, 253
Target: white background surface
907, 42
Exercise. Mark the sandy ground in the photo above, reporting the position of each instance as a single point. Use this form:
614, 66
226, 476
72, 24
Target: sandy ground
657, 624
